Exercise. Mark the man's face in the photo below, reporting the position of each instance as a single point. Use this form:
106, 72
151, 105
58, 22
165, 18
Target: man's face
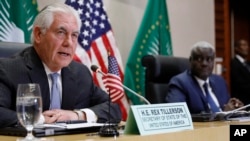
56, 47
242, 49
202, 62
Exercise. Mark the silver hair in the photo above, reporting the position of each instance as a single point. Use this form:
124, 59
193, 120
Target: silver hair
201, 44
46, 16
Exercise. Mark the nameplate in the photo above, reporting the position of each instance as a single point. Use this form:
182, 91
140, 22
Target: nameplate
158, 118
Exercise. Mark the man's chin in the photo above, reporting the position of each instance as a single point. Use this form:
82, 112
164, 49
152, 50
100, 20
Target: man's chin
204, 76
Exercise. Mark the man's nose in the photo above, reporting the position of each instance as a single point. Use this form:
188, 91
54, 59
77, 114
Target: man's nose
205, 61
68, 40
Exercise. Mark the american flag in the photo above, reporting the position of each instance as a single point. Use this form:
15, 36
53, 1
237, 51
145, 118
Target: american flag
97, 42
112, 80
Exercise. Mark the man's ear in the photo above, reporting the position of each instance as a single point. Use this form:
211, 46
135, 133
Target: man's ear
37, 34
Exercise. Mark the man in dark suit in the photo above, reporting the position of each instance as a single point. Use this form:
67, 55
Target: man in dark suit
189, 86
240, 72
54, 38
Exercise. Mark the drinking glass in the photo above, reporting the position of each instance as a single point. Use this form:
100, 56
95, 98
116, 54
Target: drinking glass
28, 107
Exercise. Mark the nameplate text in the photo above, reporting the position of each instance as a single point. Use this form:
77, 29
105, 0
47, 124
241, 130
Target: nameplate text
160, 118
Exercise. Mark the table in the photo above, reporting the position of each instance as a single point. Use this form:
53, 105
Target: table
203, 131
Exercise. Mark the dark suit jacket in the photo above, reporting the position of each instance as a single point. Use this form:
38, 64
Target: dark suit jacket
185, 88
240, 81
78, 89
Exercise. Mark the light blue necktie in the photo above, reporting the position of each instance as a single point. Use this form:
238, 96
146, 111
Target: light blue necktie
55, 93
214, 108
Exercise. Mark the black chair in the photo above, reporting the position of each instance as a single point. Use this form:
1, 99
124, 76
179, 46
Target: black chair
159, 70
8, 49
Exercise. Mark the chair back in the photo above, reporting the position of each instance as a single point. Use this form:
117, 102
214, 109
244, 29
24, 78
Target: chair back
8, 49
159, 70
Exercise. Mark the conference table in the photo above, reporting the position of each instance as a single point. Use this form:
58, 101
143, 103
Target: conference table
203, 131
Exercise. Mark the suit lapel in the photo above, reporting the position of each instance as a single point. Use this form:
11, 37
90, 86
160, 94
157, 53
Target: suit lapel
201, 94
38, 75
243, 66
198, 89
69, 88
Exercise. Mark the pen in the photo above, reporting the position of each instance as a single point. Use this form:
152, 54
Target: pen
71, 121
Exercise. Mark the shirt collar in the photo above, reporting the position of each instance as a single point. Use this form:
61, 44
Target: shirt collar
241, 59
48, 71
201, 82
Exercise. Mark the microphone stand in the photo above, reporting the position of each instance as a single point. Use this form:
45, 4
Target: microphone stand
141, 97
110, 130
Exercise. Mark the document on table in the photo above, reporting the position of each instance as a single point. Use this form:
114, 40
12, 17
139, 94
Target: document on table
70, 126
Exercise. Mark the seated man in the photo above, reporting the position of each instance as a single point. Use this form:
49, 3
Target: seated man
203, 91
54, 38
240, 72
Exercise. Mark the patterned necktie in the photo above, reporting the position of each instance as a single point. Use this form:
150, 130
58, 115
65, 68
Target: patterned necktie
55, 93
214, 108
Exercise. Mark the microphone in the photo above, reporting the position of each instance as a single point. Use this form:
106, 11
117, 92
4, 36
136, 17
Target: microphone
233, 113
96, 69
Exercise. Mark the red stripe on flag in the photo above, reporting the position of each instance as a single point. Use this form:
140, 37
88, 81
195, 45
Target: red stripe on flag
95, 79
121, 73
107, 45
98, 56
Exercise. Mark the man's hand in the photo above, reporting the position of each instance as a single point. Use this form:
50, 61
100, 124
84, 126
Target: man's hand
232, 104
55, 115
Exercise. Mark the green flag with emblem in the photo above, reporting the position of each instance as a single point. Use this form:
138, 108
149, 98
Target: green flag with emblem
16, 20
153, 37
